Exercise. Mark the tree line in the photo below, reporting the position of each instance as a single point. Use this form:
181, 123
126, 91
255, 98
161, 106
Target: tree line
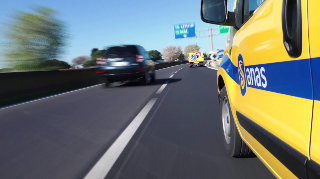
170, 53
36, 39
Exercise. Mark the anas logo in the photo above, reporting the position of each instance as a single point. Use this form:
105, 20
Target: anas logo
253, 76
242, 76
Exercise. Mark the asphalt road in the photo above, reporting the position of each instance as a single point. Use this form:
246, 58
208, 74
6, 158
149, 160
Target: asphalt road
180, 137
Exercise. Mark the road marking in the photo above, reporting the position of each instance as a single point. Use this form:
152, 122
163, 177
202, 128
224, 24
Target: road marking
103, 166
162, 87
141, 135
171, 76
212, 68
169, 67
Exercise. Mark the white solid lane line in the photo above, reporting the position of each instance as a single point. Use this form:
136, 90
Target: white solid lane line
162, 87
102, 167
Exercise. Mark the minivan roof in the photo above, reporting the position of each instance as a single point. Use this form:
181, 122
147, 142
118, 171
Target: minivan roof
122, 45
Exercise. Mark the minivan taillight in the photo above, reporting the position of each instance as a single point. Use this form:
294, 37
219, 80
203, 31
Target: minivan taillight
101, 71
139, 58
101, 60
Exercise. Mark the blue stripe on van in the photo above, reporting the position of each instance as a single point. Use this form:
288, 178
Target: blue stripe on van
290, 78
228, 66
315, 62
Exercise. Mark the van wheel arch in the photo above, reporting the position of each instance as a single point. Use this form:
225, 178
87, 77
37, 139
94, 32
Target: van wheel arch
220, 83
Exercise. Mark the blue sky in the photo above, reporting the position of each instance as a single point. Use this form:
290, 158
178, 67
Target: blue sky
96, 24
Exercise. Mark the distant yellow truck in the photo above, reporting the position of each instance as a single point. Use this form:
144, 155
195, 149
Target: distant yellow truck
196, 58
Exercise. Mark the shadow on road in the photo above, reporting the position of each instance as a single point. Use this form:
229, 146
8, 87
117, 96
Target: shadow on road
137, 83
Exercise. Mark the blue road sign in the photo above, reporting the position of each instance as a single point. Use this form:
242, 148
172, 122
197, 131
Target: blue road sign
185, 30
193, 58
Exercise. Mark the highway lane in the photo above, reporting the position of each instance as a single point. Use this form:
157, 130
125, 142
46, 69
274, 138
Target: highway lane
64, 136
181, 137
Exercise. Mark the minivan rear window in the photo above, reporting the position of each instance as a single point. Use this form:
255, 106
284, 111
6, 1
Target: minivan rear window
121, 51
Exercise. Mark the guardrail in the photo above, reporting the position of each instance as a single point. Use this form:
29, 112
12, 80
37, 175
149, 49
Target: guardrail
25, 83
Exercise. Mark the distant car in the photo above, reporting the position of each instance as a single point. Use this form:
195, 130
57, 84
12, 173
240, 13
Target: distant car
220, 54
123, 63
217, 57
78, 67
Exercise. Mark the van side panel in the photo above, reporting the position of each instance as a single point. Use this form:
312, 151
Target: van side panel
278, 95
314, 30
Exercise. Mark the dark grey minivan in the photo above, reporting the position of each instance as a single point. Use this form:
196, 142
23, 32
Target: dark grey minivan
123, 63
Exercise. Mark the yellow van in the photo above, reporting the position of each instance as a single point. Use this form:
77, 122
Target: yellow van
196, 58
269, 83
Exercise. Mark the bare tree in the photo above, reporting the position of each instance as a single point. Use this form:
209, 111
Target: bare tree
190, 49
171, 53
80, 60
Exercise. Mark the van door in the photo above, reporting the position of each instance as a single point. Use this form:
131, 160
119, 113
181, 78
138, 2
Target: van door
274, 99
314, 38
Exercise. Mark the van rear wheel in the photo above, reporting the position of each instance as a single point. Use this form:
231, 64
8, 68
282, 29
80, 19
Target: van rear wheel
233, 143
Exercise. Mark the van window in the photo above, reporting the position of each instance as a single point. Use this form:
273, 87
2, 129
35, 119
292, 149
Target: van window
249, 7
121, 52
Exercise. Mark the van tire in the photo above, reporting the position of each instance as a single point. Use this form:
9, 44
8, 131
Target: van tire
233, 143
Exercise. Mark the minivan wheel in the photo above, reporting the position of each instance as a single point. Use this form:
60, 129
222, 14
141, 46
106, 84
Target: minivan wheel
146, 78
233, 143
153, 76
107, 83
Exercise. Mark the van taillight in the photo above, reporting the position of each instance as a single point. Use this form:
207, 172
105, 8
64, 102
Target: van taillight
139, 58
101, 60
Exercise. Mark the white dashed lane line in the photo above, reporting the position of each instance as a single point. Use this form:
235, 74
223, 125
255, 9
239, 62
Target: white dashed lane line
162, 87
103, 166
165, 84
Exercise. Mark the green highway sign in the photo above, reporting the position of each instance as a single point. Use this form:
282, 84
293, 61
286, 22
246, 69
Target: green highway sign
223, 29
